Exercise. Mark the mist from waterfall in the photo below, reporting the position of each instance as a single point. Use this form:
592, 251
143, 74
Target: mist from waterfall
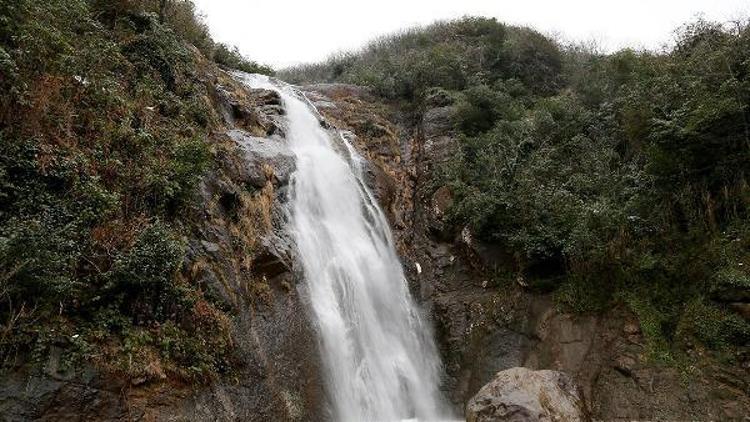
377, 349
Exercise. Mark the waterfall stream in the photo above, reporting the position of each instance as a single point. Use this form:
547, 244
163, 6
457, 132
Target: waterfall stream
380, 359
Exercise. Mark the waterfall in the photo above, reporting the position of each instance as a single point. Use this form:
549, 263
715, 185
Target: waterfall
379, 356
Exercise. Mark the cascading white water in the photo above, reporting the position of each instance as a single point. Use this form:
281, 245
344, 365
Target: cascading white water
381, 361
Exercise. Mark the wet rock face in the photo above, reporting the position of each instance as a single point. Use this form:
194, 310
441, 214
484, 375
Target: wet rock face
257, 111
266, 159
243, 256
438, 121
30, 395
268, 102
521, 394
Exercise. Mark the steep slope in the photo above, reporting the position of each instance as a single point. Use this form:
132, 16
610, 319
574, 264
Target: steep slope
140, 277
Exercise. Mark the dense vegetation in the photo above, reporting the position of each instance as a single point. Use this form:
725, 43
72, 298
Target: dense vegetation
104, 118
613, 178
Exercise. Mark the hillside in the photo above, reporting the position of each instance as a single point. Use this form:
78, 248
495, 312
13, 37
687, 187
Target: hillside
548, 205
105, 138
610, 178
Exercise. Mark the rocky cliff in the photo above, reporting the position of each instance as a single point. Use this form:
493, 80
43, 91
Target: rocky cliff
239, 254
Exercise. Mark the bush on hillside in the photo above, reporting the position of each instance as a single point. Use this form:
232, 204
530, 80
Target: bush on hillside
232, 59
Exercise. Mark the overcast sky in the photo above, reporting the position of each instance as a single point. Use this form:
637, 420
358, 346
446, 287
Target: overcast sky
285, 32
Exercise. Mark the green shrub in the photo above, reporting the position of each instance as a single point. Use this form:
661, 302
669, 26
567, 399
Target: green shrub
232, 58
534, 59
479, 108
183, 18
654, 326
538, 183
713, 326
157, 49
143, 276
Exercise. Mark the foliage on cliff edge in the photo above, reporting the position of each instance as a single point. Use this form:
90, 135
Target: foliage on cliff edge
104, 121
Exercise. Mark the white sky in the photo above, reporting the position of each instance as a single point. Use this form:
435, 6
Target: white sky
285, 32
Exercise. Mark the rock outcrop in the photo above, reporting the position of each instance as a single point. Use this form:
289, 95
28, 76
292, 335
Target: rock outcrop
249, 268
521, 394
266, 159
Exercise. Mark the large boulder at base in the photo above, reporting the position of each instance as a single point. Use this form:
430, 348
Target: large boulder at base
522, 394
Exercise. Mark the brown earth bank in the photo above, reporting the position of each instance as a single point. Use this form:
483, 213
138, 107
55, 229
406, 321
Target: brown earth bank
239, 253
